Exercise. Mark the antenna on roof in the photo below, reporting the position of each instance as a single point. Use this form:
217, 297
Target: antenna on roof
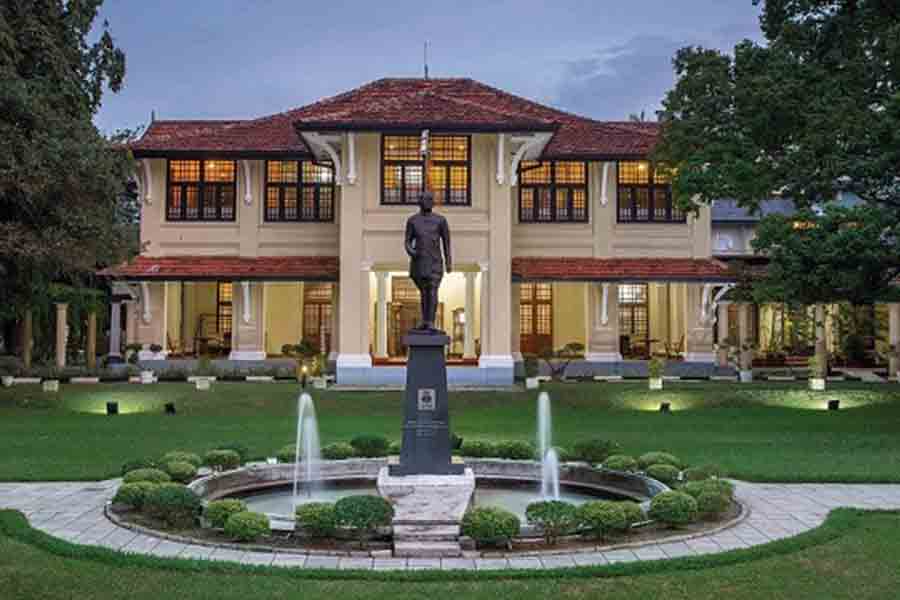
152, 115
425, 58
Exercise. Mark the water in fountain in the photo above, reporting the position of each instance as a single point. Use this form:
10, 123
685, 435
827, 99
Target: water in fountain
307, 446
549, 457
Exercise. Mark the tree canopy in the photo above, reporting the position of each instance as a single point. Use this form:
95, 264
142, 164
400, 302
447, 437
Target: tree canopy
812, 112
64, 206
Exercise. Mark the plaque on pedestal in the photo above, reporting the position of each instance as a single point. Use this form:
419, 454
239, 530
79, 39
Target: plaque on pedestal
426, 429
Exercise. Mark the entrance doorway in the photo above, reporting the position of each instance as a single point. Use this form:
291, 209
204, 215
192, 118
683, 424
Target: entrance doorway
317, 315
634, 321
404, 311
535, 317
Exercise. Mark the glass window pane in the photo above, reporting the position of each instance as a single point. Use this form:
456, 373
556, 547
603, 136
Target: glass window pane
526, 204
219, 170
282, 171
562, 204
290, 203
309, 203
579, 204
571, 172
660, 204
545, 206
526, 291
326, 203
401, 147
437, 183
393, 176
459, 185
543, 322
271, 203
192, 202
525, 319
317, 173
534, 172
625, 203
209, 202
175, 201
226, 198
449, 147
634, 172
184, 170
543, 291
642, 201
413, 182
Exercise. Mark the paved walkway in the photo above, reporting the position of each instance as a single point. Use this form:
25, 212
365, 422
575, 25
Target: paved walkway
74, 512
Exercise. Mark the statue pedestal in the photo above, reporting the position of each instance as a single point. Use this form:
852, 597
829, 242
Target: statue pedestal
426, 430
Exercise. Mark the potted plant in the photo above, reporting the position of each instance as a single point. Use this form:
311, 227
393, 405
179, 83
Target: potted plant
302, 353
132, 353
51, 383
655, 369
745, 363
558, 360
532, 370
817, 369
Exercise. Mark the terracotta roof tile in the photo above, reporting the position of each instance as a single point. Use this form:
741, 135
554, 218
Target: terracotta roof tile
170, 268
448, 104
620, 269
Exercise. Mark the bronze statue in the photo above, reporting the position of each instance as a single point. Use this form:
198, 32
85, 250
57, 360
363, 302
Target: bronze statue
426, 234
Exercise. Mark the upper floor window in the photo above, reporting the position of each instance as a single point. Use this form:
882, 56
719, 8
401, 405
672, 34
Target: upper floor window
201, 190
553, 192
299, 191
645, 194
449, 169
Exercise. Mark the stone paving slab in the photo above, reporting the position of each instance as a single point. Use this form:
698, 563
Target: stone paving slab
74, 511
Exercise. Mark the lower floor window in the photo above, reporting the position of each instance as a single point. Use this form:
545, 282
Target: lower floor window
535, 317
634, 321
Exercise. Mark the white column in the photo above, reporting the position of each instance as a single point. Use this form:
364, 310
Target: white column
469, 340
894, 339
485, 308
381, 325
335, 322
722, 324
62, 333
115, 331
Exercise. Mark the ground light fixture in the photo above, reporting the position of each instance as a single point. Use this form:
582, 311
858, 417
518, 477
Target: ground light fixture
112, 409
834, 405
304, 376
665, 407
170, 408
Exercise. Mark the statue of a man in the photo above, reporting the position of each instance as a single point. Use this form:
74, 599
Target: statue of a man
426, 234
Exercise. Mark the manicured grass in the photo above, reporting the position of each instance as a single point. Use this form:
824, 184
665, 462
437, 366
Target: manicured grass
762, 432
854, 556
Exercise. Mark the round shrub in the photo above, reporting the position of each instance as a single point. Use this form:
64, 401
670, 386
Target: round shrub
712, 503
316, 518
554, 517
151, 475
664, 473
633, 512
287, 454
595, 451
620, 462
173, 503
363, 514
720, 486
242, 449
490, 525
602, 518
394, 448
247, 526
338, 451
565, 454
219, 511
702, 472
478, 449
370, 446
182, 472
139, 463
673, 508
515, 450
222, 460
180, 456
658, 458
133, 494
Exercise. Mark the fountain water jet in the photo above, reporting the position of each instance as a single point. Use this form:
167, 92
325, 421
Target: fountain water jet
548, 455
306, 451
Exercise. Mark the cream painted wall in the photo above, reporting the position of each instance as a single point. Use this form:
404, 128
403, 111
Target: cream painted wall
284, 324
174, 316
569, 314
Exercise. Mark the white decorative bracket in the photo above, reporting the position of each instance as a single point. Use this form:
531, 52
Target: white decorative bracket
245, 288
325, 146
501, 158
711, 315
705, 304
366, 266
145, 302
604, 195
530, 148
604, 306
483, 266
248, 195
145, 182
351, 158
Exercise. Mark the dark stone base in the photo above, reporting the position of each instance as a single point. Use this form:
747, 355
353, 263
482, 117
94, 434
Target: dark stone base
425, 449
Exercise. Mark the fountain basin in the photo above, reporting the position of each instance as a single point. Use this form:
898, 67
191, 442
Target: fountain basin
510, 484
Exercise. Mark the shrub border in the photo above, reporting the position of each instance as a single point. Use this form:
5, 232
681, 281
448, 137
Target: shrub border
839, 522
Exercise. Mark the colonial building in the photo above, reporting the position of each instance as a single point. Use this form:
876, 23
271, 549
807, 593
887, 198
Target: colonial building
263, 232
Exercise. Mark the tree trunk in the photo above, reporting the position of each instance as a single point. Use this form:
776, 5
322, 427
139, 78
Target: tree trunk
91, 343
27, 334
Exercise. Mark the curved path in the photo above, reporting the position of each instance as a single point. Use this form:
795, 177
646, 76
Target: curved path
74, 512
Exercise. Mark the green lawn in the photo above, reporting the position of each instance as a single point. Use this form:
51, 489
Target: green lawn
762, 432
854, 555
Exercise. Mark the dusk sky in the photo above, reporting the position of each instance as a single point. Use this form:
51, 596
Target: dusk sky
213, 59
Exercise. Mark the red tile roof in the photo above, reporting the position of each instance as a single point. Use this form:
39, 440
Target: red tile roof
440, 104
193, 268
620, 269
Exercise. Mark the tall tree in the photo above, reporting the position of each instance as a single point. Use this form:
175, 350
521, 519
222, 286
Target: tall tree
814, 111
64, 206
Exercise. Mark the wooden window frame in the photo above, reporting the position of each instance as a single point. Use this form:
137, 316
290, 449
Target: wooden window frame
552, 187
629, 191
220, 303
202, 185
446, 165
299, 186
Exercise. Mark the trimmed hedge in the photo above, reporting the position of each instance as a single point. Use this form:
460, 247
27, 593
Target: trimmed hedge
633, 512
182, 472
338, 451
603, 517
219, 511
621, 462
515, 450
316, 518
247, 526
673, 509
555, 517
181, 456
370, 446
139, 463
287, 454
490, 525
173, 503
712, 503
222, 460
702, 472
721, 486
242, 450
658, 458
478, 448
133, 494
664, 473
394, 448
151, 475
595, 451
363, 514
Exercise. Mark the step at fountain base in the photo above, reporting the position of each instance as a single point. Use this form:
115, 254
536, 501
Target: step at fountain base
426, 533
425, 549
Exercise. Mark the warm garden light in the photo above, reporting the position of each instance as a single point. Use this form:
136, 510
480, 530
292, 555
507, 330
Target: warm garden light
665, 407
170, 408
834, 405
112, 408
